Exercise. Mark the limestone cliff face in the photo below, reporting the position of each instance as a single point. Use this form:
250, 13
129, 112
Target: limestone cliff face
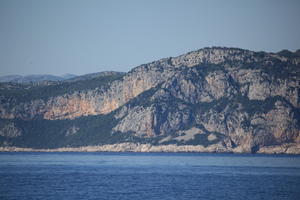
91, 102
248, 107
255, 83
233, 99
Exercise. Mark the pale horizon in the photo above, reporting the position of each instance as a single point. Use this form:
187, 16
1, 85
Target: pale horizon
81, 37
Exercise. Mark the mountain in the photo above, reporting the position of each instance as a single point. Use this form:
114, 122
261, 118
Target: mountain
210, 100
34, 78
93, 75
68, 76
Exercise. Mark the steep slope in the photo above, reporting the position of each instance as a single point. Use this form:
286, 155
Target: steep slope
225, 99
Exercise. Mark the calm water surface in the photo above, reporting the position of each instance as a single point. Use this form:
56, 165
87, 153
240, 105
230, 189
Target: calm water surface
148, 176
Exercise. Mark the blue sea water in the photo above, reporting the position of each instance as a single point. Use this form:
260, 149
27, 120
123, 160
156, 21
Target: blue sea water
25, 175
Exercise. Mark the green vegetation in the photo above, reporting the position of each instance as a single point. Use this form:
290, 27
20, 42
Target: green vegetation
202, 139
206, 68
249, 106
21, 94
217, 105
40, 133
199, 139
282, 70
97, 130
258, 106
287, 53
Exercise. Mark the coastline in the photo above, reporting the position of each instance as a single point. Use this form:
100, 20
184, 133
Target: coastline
290, 148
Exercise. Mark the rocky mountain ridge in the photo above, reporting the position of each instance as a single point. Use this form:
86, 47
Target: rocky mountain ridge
235, 98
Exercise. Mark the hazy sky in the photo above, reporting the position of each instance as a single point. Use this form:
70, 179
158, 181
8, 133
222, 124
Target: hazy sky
73, 36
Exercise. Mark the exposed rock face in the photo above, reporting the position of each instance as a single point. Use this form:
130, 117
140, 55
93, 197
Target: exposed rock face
250, 108
137, 115
9, 130
137, 147
72, 130
224, 98
91, 102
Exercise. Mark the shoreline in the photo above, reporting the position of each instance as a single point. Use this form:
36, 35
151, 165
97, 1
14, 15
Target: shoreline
290, 148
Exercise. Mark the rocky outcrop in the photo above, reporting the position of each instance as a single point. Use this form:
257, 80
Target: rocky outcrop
223, 99
9, 130
72, 131
91, 102
137, 147
249, 107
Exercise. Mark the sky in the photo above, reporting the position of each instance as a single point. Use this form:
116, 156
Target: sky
86, 36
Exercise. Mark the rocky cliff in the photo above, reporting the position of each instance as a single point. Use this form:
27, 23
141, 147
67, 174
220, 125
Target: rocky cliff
233, 99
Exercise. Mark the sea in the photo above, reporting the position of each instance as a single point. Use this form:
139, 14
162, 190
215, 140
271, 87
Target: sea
141, 176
